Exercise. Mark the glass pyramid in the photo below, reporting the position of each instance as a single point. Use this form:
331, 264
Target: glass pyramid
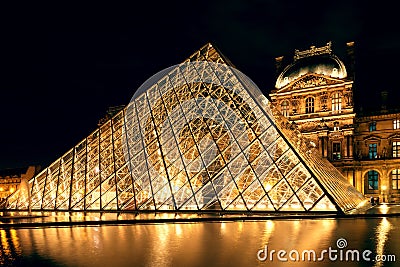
196, 136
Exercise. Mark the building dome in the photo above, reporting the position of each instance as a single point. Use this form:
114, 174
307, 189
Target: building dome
326, 64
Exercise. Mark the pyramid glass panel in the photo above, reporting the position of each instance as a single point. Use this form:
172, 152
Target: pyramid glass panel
196, 136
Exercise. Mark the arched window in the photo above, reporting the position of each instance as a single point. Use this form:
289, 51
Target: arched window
336, 103
396, 179
285, 108
373, 180
310, 105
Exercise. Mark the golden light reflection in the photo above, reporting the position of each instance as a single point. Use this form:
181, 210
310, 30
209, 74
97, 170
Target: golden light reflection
10, 246
223, 227
178, 230
296, 226
4, 243
384, 209
268, 231
382, 233
160, 248
240, 227
15, 241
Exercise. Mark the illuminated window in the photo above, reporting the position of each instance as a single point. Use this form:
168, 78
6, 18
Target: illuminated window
310, 105
336, 126
336, 103
372, 126
373, 180
373, 151
396, 179
285, 108
396, 124
336, 151
396, 149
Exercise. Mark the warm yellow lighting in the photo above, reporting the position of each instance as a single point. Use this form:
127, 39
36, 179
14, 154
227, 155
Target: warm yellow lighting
268, 187
384, 187
382, 234
384, 209
1, 189
190, 144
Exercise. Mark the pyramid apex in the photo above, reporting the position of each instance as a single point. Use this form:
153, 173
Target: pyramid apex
209, 52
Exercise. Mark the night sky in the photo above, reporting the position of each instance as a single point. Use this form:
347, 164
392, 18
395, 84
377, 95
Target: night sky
63, 66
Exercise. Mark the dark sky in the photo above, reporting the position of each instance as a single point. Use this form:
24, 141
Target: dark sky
63, 66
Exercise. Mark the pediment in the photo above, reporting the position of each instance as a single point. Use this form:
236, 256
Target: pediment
394, 136
372, 138
308, 81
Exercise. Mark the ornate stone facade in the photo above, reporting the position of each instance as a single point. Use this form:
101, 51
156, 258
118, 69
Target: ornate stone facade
10, 179
314, 91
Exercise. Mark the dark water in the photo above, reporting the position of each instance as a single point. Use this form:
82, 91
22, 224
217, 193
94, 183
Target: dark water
198, 244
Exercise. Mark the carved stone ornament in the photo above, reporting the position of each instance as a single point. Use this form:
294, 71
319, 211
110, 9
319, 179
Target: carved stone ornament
348, 97
311, 81
313, 51
294, 102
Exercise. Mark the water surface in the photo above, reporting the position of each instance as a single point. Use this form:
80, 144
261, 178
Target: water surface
197, 244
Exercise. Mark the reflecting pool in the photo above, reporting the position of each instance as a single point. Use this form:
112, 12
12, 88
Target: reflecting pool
238, 243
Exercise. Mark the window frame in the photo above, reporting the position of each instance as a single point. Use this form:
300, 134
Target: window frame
373, 176
310, 105
396, 149
336, 103
395, 173
373, 153
372, 126
396, 124
285, 112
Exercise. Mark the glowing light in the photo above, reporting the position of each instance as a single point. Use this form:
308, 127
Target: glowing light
384, 187
384, 208
268, 187
307, 205
12, 190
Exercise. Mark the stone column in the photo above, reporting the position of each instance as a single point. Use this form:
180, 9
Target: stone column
359, 180
384, 185
344, 148
351, 141
320, 144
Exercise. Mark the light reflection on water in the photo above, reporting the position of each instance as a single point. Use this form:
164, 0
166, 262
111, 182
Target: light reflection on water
195, 244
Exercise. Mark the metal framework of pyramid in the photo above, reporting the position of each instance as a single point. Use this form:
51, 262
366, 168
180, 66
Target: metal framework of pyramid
201, 137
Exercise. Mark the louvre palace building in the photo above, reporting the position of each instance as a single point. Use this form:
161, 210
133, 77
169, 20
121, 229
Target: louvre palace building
202, 136
314, 92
